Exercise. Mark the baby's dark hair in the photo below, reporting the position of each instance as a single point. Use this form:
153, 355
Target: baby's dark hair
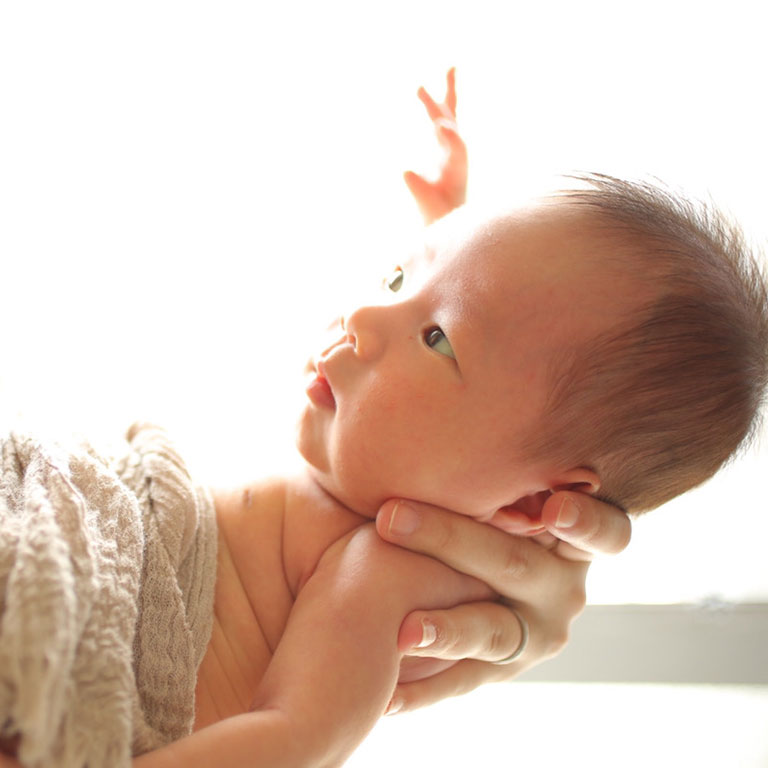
659, 403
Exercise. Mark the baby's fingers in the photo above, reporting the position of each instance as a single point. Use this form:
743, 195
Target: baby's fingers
450, 91
448, 107
448, 135
428, 196
419, 187
434, 110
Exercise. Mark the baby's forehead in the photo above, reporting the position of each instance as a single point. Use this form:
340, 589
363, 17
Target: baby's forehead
555, 219
531, 279
547, 236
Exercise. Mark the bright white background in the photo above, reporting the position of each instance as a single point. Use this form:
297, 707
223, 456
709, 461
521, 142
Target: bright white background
189, 190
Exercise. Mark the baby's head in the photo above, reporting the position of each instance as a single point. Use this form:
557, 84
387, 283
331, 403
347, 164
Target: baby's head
608, 339
659, 401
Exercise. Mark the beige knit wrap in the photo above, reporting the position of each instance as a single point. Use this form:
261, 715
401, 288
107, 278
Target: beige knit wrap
107, 570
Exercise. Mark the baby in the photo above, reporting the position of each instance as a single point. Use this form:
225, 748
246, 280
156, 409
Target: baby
452, 390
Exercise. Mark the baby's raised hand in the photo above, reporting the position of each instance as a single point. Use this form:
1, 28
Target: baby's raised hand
439, 197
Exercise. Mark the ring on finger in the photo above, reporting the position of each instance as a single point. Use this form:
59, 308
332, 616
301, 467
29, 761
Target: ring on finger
524, 634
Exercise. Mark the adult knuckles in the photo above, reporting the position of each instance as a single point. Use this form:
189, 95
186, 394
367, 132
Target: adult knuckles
515, 564
559, 641
497, 645
459, 640
576, 599
556, 640
449, 636
438, 534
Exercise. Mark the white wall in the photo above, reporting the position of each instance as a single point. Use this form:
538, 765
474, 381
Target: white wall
188, 189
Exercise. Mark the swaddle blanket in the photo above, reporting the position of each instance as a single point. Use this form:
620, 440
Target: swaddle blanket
107, 569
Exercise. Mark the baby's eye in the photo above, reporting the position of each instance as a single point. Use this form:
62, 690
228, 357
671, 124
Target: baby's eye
395, 281
435, 338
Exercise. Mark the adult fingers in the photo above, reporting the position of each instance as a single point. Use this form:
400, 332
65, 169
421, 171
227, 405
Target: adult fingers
514, 567
461, 678
483, 631
585, 526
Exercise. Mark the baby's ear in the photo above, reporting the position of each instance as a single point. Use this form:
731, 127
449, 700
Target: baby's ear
579, 479
523, 517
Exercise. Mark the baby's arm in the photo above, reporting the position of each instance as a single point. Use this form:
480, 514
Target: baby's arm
336, 665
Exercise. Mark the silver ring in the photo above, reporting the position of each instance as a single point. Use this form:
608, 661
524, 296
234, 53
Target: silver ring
522, 645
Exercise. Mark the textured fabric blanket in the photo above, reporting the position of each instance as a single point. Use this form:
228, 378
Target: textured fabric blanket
107, 570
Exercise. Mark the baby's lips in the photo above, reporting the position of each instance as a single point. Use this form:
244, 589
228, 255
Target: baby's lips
319, 389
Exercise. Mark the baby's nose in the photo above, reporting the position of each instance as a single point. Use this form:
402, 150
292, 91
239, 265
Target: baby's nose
366, 331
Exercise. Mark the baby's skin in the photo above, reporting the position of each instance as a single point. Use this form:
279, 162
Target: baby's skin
304, 655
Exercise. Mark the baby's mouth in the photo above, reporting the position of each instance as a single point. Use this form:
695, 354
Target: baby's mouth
319, 390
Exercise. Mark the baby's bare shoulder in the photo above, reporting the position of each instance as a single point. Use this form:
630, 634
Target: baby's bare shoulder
274, 531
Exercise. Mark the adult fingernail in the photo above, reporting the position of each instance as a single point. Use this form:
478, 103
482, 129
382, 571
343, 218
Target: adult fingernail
404, 520
568, 514
428, 634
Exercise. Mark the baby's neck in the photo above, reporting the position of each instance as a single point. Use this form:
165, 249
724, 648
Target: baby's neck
313, 520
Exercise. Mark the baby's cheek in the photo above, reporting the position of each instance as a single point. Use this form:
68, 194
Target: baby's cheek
400, 422
392, 393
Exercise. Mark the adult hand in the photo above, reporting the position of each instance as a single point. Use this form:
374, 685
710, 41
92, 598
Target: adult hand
543, 578
439, 197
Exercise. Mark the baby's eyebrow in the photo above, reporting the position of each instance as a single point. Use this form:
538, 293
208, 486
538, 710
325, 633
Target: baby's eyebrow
416, 260
423, 252
428, 253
